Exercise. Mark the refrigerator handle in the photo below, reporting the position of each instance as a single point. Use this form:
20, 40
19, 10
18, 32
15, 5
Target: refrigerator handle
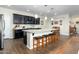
3, 25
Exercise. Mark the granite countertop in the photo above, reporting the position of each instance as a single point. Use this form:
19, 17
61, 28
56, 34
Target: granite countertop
26, 28
39, 30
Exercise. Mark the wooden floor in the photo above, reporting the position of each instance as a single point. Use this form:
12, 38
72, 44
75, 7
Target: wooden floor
66, 45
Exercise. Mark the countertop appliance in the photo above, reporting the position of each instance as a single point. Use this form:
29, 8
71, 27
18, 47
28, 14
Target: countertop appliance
2, 28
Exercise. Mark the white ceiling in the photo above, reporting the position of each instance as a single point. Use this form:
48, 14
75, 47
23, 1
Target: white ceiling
45, 10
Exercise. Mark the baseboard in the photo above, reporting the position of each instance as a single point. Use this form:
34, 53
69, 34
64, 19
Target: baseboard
64, 34
7, 38
1, 48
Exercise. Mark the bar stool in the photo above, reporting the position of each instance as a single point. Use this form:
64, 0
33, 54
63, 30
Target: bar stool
56, 36
51, 38
45, 37
56, 33
38, 41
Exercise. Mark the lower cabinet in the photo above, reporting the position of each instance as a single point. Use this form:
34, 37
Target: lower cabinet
25, 38
18, 34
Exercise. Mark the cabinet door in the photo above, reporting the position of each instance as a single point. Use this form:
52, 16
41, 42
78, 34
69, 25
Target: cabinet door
15, 19
18, 19
25, 38
18, 34
37, 21
32, 20
26, 19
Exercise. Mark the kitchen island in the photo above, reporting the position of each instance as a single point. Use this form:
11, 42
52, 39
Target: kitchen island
34, 33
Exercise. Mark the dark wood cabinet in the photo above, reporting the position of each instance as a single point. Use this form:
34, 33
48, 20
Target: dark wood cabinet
25, 19
18, 19
25, 38
37, 21
21, 19
18, 34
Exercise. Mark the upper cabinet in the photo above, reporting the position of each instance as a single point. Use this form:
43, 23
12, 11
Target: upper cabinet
18, 19
21, 19
37, 21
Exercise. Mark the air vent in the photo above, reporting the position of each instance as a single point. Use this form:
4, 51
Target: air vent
52, 8
45, 5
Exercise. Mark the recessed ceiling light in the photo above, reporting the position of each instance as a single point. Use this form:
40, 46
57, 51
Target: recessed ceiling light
27, 10
52, 8
8, 5
45, 17
36, 16
52, 19
45, 5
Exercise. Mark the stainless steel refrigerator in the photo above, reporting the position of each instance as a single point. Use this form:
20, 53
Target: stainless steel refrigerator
2, 28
